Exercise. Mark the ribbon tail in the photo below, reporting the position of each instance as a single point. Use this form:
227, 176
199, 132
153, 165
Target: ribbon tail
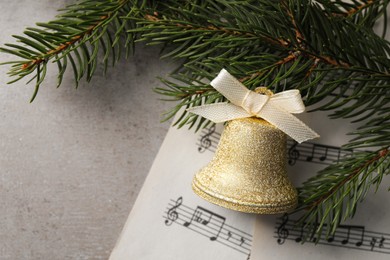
219, 112
288, 123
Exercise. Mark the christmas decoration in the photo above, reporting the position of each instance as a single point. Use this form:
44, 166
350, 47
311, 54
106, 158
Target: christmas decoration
275, 109
328, 50
248, 172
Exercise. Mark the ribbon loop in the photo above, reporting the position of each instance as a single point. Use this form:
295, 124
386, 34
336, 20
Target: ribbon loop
229, 87
290, 100
276, 109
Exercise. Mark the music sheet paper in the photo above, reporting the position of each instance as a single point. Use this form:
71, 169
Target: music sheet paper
168, 221
366, 236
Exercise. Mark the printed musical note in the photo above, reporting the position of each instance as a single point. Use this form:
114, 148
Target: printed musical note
346, 240
198, 218
349, 228
293, 154
242, 241
172, 214
300, 237
372, 243
282, 231
217, 220
374, 240
381, 243
310, 157
229, 235
312, 237
325, 155
338, 155
208, 224
360, 242
331, 238
205, 141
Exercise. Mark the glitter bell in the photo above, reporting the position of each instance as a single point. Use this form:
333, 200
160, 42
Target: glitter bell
248, 172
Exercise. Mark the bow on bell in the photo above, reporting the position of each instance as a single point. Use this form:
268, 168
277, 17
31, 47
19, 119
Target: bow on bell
276, 109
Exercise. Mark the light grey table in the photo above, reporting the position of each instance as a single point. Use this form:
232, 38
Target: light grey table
73, 161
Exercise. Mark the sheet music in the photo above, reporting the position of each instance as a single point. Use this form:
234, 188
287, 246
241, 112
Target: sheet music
168, 221
355, 237
208, 224
366, 236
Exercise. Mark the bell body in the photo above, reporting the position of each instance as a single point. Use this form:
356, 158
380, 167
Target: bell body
248, 171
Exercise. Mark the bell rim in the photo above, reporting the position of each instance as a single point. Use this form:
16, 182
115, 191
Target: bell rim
247, 207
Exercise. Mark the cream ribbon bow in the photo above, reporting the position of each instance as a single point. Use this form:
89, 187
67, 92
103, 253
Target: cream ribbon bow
275, 109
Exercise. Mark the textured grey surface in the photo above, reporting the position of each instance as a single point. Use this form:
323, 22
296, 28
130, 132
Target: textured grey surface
73, 161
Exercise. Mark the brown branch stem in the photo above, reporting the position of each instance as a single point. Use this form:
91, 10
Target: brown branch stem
360, 7
197, 92
382, 153
63, 46
74, 39
154, 18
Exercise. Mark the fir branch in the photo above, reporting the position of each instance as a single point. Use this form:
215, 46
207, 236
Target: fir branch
369, 9
332, 196
364, 5
363, 13
327, 59
75, 37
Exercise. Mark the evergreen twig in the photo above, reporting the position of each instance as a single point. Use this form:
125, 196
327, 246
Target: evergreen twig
74, 38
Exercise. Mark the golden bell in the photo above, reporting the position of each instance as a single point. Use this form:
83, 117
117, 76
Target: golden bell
248, 172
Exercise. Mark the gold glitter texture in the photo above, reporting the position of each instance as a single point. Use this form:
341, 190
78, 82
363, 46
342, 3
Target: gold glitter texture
248, 171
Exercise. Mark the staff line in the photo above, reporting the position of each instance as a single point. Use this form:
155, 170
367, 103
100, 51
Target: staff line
347, 236
213, 137
343, 246
247, 241
191, 209
189, 227
338, 230
351, 236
